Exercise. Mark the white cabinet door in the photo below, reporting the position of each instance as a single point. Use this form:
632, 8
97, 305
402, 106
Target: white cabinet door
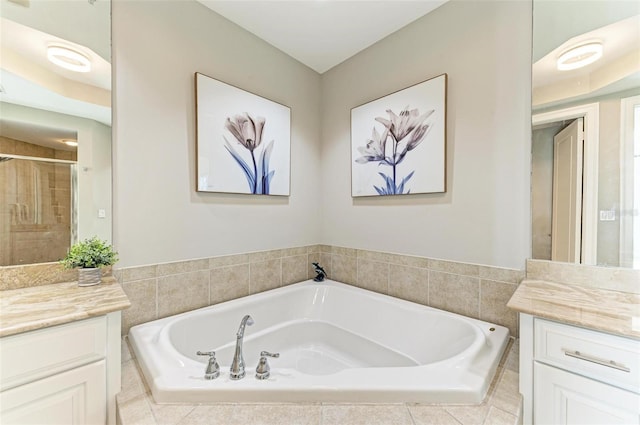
565, 398
70, 398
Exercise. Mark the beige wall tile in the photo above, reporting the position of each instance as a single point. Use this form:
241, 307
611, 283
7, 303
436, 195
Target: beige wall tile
456, 293
228, 260
182, 292
313, 248
325, 248
255, 257
142, 295
501, 274
431, 415
493, 304
373, 275
409, 283
344, 269
454, 267
182, 267
228, 283
381, 257
409, 260
292, 252
373, 414
346, 252
139, 273
265, 275
294, 269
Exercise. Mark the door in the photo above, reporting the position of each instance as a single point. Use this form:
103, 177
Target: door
566, 216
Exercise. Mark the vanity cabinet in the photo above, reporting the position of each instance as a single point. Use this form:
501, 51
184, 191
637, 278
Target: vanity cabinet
65, 374
578, 376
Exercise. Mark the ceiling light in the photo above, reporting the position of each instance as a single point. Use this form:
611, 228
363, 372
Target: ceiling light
579, 56
68, 58
70, 142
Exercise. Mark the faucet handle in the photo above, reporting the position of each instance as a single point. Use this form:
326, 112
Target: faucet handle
213, 368
263, 370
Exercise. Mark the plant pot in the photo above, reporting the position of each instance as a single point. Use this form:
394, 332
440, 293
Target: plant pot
89, 277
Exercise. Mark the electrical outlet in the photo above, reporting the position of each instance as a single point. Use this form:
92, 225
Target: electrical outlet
607, 215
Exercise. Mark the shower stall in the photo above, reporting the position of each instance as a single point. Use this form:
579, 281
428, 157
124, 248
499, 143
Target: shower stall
38, 209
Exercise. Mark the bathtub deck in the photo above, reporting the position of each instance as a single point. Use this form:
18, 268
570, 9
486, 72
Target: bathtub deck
501, 406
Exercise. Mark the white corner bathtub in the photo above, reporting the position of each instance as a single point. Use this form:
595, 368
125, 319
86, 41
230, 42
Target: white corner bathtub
337, 343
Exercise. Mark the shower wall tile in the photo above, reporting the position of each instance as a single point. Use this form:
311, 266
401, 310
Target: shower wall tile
409, 283
182, 292
265, 275
143, 297
294, 269
373, 275
228, 283
456, 293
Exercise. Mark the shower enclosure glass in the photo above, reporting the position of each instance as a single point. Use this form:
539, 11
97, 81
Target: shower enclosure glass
38, 209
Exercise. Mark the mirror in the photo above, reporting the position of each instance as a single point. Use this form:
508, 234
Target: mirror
55, 127
585, 180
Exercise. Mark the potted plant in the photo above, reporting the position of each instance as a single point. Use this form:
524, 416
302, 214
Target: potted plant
89, 256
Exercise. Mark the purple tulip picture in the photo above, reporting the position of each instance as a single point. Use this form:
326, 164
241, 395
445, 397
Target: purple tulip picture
402, 150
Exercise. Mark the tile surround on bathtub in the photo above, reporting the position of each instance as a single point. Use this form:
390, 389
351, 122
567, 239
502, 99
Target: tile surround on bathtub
474, 290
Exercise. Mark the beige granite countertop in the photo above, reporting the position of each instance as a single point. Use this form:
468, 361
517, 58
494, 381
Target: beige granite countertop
609, 311
38, 307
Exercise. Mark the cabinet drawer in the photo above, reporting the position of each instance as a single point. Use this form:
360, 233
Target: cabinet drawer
613, 359
45, 352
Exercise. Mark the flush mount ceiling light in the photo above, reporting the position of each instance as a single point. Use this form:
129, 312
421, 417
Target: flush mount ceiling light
579, 56
68, 58
70, 142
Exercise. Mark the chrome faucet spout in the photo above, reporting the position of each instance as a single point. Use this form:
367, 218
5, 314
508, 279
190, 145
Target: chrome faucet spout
246, 320
237, 366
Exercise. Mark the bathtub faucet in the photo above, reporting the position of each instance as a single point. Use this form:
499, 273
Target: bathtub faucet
237, 366
320, 273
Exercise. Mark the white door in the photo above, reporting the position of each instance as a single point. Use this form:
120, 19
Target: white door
563, 398
566, 218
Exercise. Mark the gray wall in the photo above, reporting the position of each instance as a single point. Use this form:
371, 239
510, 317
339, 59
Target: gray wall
484, 216
159, 217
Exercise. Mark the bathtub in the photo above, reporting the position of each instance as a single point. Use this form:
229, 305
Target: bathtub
337, 343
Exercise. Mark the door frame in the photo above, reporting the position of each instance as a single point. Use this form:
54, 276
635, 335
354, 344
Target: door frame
590, 113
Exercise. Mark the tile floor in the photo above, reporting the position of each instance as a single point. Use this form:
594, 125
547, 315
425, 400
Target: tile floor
501, 406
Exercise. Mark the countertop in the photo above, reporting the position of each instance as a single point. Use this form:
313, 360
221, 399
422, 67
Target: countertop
39, 307
604, 310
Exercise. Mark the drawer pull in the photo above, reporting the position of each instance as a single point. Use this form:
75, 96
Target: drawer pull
608, 363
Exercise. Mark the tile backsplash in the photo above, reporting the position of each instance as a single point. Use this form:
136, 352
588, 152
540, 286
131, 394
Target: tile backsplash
162, 290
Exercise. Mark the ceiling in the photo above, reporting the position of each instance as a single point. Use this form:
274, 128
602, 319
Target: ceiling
322, 33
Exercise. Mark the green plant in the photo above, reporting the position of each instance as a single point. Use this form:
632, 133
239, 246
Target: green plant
90, 253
